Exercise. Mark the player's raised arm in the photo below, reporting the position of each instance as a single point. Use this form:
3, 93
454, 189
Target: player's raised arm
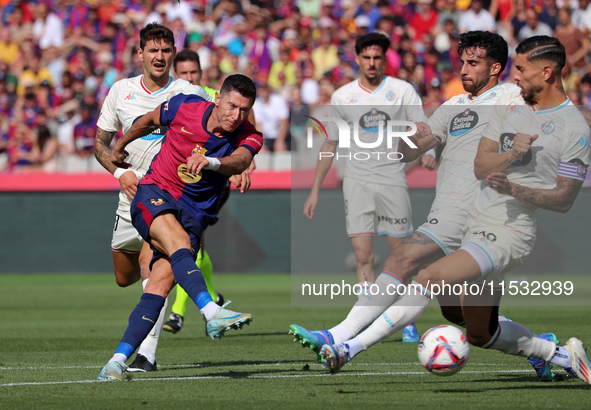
143, 126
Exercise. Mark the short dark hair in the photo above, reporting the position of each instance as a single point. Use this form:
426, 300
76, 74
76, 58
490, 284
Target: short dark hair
241, 84
186, 54
543, 48
155, 31
372, 39
495, 46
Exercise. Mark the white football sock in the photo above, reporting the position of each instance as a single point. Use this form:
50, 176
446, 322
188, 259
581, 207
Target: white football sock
515, 339
150, 343
561, 357
396, 317
355, 347
118, 357
367, 309
209, 310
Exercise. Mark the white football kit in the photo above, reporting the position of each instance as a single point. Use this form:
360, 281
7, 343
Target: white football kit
128, 100
458, 124
501, 229
374, 186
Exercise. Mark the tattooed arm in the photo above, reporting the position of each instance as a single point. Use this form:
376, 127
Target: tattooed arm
559, 199
102, 152
128, 180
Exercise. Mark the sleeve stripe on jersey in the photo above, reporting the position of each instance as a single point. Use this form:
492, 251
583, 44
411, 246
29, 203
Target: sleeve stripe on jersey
251, 149
571, 170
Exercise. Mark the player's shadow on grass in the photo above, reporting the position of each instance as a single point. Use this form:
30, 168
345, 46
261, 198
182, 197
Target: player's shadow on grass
204, 365
234, 333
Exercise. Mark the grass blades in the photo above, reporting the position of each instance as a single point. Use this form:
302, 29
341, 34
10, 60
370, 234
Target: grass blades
57, 332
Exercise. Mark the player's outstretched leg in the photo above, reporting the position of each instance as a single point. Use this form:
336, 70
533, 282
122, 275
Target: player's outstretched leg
225, 319
543, 368
114, 371
314, 339
410, 334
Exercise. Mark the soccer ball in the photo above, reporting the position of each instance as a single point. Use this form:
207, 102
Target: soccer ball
444, 350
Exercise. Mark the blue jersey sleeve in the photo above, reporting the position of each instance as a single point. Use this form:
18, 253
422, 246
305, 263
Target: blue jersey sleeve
169, 109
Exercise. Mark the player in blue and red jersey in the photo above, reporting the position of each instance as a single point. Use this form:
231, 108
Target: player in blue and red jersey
205, 144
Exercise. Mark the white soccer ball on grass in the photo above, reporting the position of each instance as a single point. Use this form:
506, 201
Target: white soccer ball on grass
444, 350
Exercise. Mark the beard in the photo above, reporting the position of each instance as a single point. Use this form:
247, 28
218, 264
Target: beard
529, 94
473, 86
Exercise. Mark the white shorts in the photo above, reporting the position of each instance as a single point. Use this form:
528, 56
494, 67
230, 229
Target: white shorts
125, 237
445, 226
376, 209
497, 249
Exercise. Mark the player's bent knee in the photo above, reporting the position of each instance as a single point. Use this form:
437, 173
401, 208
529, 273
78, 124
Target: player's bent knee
429, 276
477, 338
453, 314
126, 279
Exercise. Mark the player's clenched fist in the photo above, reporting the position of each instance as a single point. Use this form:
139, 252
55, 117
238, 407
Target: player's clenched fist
423, 130
522, 144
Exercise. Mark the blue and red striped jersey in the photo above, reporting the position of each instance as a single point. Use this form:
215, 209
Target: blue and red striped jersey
186, 117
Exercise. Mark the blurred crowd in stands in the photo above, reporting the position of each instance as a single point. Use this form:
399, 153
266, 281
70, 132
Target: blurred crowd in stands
58, 58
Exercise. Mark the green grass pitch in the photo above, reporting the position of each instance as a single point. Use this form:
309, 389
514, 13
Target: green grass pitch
57, 331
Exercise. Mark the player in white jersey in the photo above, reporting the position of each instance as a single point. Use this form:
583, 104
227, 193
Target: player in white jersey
374, 186
533, 154
126, 101
375, 190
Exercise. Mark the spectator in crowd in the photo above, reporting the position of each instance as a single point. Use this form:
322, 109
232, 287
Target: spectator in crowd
84, 133
48, 29
283, 67
533, 27
369, 9
262, 50
230, 23
519, 19
582, 16
424, 21
449, 13
200, 23
576, 44
20, 23
9, 49
477, 18
549, 14
47, 159
272, 117
325, 56
33, 75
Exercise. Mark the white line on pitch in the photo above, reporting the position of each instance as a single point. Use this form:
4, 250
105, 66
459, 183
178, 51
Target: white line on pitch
190, 366
285, 376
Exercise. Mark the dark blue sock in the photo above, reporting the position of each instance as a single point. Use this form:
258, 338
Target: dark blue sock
141, 322
188, 275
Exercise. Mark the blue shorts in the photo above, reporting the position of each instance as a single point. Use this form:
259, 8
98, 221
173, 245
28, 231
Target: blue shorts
149, 202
